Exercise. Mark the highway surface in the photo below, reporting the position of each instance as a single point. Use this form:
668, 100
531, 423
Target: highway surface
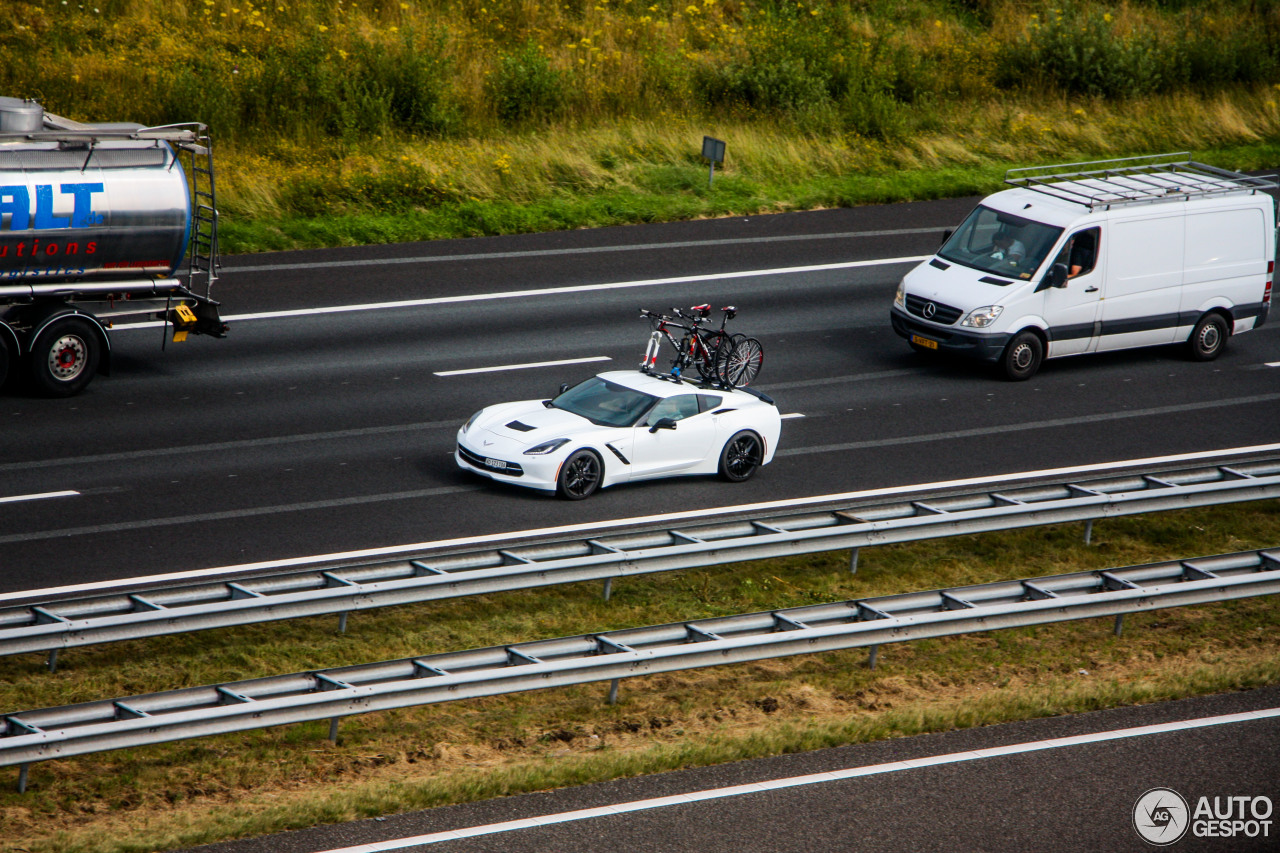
325, 422
925, 793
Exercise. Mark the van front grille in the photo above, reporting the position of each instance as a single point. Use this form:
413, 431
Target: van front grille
944, 314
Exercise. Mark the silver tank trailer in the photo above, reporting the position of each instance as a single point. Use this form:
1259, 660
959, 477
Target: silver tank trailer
116, 209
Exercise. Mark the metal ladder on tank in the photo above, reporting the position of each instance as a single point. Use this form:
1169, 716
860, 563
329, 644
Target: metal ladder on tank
203, 249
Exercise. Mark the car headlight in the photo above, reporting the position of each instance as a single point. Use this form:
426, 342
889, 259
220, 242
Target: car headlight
547, 447
471, 420
900, 298
984, 316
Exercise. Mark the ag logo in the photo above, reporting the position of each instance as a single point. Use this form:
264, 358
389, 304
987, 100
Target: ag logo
1161, 816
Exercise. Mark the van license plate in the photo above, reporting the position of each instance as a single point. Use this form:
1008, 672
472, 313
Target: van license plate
496, 463
924, 342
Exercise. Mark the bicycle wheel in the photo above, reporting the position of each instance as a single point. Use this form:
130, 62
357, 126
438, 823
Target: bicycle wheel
723, 353
709, 364
744, 363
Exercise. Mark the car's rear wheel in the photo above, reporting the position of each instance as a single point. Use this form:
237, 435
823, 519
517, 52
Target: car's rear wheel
580, 476
741, 456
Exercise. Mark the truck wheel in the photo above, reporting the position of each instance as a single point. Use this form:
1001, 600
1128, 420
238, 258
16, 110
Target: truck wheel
1022, 356
1208, 338
65, 357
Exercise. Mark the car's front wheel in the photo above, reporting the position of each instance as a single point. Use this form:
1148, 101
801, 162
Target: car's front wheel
741, 456
580, 476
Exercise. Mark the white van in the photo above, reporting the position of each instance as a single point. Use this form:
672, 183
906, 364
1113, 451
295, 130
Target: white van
1090, 257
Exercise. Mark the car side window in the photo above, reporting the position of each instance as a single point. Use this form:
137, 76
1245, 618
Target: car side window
677, 408
1081, 252
708, 402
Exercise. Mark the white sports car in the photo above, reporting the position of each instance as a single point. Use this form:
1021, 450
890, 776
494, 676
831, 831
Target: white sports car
617, 427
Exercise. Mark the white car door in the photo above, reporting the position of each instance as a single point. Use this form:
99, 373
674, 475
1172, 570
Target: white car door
1072, 310
663, 451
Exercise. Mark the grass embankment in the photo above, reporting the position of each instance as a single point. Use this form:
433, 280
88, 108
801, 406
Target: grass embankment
205, 790
376, 120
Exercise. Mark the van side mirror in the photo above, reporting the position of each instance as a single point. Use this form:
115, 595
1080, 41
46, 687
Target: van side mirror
663, 423
1055, 277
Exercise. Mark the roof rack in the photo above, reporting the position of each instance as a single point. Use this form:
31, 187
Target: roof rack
1134, 180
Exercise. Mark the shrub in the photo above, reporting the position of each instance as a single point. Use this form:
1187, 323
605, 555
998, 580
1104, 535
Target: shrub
524, 87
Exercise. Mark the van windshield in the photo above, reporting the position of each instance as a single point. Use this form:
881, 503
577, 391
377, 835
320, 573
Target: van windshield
1000, 243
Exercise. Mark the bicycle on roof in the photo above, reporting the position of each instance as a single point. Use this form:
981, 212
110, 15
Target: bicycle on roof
721, 358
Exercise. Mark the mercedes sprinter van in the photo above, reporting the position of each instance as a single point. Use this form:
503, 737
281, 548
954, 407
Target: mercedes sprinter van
1090, 257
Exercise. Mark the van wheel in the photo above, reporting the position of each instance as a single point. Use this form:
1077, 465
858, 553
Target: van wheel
1022, 356
1208, 338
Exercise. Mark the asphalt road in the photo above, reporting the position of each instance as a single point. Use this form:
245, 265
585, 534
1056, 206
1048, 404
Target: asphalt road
311, 432
1071, 798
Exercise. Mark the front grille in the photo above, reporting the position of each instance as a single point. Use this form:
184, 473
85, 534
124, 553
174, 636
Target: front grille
944, 314
476, 460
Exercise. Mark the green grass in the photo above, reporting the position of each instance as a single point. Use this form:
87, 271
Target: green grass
371, 122
182, 794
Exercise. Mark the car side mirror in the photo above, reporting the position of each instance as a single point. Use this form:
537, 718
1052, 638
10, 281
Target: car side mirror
663, 423
1055, 277
564, 386
946, 235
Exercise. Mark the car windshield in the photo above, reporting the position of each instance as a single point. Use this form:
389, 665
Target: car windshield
605, 403
1000, 243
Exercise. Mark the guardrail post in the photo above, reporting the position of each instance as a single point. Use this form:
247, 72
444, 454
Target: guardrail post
613, 691
22, 778
1088, 532
53, 660
333, 729
871, 659
342, 623
608, 588
1119, 624
853, 561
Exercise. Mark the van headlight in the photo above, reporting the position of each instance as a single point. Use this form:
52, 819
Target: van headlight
983, 317
547, 447
900, 298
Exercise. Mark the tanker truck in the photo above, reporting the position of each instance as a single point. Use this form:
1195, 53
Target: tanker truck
99, 224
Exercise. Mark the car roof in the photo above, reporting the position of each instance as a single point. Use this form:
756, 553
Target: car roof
651, 384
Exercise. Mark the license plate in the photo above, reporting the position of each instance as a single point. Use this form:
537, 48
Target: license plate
495, 463
924, 342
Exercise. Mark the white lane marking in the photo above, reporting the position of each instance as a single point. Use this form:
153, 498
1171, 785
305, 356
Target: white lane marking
523, 366
810, 779
545, 291
1272, 364
582, 250
792, 415
39, 497
585, 530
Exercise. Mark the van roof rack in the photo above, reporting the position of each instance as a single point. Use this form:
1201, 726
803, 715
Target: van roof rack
1134, 180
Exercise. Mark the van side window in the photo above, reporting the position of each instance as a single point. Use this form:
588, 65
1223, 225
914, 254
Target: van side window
1081, 252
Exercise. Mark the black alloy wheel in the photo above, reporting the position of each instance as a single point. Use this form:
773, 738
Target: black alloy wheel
741, 456
580, 476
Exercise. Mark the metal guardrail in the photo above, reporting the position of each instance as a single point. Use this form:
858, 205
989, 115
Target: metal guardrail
340, 590
39, 735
